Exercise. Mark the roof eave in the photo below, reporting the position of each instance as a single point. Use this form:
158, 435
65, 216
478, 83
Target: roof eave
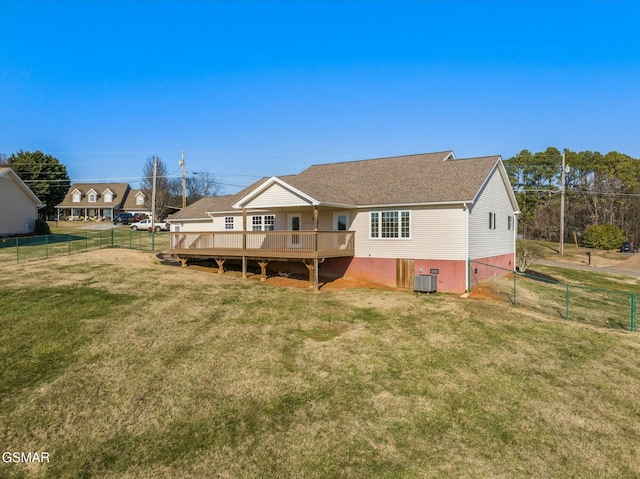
182, 220
21, 184
410, 205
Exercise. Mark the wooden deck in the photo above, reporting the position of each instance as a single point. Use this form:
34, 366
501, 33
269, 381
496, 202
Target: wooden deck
263, 244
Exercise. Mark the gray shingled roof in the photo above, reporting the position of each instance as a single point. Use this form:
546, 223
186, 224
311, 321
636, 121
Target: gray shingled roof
200, 208
425, 178
412, 179
130, 201
118, 189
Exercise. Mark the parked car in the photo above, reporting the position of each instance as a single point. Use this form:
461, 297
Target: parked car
629, 247
123, 218
146, 225
140, 217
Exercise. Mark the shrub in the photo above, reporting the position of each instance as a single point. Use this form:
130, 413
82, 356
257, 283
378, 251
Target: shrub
603, 236
524, 256
42, 228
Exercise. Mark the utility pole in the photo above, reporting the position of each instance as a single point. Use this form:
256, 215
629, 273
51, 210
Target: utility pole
153, 194
562, 207
184, 182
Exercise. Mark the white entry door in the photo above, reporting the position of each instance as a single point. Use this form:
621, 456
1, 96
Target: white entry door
295, 224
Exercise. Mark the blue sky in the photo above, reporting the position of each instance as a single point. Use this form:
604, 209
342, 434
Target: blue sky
251, 89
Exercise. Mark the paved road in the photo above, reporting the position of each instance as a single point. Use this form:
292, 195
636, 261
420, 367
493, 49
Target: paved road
630, 267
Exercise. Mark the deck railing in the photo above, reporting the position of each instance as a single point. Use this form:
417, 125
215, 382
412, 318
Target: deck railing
264, 244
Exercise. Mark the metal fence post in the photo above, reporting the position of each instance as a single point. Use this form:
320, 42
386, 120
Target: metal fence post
469, 274
69, 242
633, 323
17, 251
46, 246
153, 240
566, 301
515, 275
112, 237
86, 242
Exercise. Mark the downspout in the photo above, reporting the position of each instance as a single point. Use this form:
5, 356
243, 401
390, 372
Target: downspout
515, 237
467, 270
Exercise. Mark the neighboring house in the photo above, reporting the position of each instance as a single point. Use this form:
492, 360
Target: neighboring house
93, 201
102, 201
18, 204
382, 220
136, 203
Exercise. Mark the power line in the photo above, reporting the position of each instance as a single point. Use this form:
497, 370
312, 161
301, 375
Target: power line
584, 192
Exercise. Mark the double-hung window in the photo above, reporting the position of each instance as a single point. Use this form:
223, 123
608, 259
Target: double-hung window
263, 223
390, 224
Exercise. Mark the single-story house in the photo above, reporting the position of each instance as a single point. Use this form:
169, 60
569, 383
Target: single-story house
382, 220
18, 204
101, 201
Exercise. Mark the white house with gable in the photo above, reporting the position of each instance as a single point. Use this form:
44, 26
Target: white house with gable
380, 220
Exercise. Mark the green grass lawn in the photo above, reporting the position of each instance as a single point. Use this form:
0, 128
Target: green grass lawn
119, 366
67, 241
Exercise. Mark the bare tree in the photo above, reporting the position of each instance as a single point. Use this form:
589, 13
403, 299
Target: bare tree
202, 184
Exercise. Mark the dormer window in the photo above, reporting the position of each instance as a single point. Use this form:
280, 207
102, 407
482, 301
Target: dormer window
107, 196
140, 200
76, 197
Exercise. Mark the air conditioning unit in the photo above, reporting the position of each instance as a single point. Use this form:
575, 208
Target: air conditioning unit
425, 283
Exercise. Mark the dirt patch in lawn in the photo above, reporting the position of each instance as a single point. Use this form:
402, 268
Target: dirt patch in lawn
485, 292
326, 284
286, 280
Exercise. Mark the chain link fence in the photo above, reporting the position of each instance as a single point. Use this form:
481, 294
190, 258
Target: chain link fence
536, 291
30, 248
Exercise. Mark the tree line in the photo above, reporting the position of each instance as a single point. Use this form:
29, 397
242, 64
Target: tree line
599, 189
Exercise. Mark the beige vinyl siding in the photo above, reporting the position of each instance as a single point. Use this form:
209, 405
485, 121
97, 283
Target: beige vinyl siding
493, 198
276, 196
193, 225
325, 220
18, 213
436, 233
